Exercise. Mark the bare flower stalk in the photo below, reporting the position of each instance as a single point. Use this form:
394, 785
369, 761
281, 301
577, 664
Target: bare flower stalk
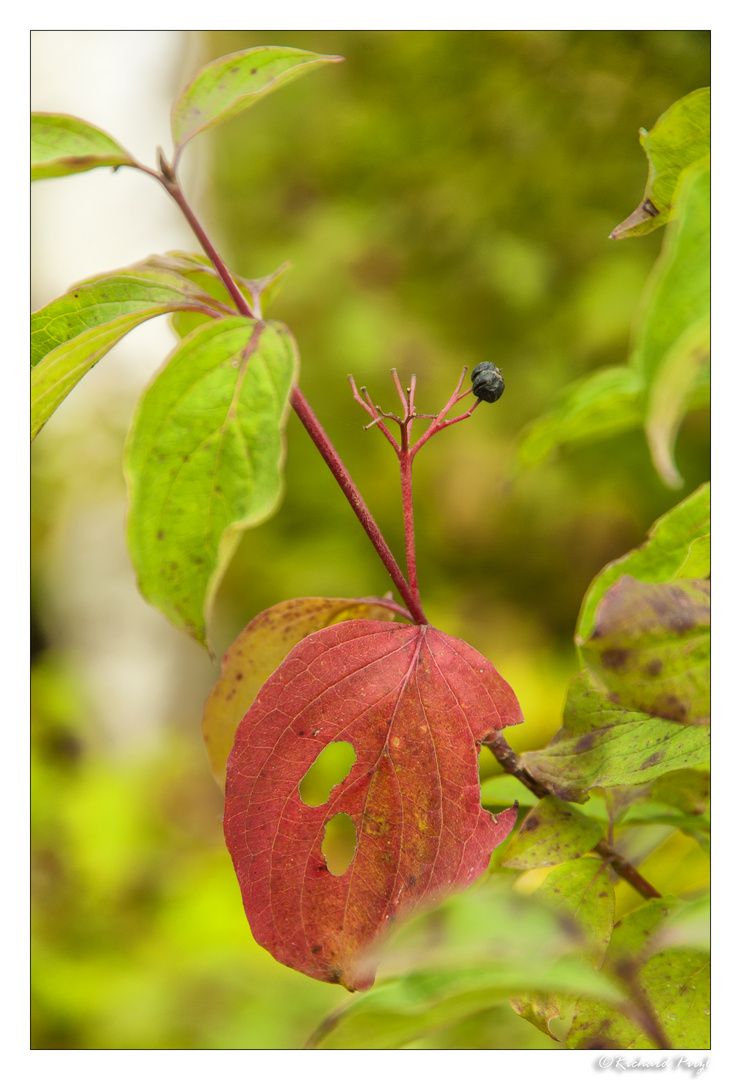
405, 450
322, 442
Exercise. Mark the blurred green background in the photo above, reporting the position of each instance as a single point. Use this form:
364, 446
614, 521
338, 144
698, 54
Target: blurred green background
445, 198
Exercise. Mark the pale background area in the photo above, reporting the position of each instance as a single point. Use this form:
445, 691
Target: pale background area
139, 672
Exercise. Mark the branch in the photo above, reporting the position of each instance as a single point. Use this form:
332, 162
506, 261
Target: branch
626, 871
305, 413
511, 763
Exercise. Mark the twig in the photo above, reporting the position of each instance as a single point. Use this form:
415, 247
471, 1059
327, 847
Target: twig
626, 871
511, 763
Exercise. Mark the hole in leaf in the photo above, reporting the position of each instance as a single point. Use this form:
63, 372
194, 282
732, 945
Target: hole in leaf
329, 770
340, 841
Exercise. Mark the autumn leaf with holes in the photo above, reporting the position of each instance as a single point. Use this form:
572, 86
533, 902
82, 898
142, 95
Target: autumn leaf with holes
415, 705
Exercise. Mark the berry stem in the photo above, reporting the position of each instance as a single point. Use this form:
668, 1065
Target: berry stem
323, 444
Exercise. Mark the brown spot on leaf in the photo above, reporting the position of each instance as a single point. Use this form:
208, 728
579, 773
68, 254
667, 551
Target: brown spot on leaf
654, 667
531, 823
614, 658
654, 759
82, 159
585, 742
649, 208
671, 708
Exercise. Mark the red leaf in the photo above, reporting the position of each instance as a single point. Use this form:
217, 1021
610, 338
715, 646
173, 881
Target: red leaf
415, 704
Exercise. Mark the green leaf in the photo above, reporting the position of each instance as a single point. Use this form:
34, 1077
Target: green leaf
259, 292
672, 344
203, 460
651, 943
678, 139
604, 403
551, 833
603, 745
688, 926
681, 799
650, 647
504, 790
671, 396
72, 333
580, 890
62, 368
144, 290
633, 936
687, 789
677, 546
482, 948
62, 145
677, 984
233, 83
397, 1014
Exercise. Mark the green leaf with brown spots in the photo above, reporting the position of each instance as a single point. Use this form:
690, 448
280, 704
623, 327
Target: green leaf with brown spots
650, 647
204, 460
654, 947
676, 985
233, 83
580, 890
552, 833
677, 546
62, 145
603, 745
678, 139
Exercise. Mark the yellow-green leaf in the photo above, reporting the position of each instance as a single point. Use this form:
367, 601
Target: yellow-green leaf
233, 83
62, 145
204, 460
678, 139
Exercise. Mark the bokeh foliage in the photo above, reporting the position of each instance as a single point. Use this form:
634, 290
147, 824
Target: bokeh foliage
445, 198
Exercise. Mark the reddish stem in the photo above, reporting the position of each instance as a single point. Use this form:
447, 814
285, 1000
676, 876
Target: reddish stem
406, 460
173, 189
322, 442
300, 405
